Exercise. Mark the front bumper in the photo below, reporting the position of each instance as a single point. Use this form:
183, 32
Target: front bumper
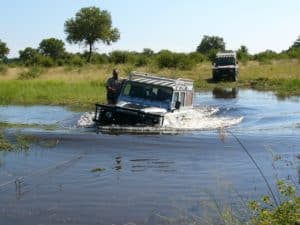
224, 72
110, 114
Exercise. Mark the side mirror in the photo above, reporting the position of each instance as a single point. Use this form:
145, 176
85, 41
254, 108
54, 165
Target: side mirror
177, 104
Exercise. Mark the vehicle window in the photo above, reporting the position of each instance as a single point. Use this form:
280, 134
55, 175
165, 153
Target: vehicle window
148, 92
127, 89
176, 96
182, 98
189, 98
137, 91
164, 94
223, 61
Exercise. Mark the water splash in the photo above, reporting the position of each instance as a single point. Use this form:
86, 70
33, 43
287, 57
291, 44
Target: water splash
86, 120
203, 118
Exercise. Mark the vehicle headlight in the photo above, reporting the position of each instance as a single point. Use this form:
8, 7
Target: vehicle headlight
108, 115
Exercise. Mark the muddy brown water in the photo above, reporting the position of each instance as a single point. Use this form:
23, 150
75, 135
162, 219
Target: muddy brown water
148, 178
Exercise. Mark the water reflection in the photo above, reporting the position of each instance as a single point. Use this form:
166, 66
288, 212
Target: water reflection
118, 161
295, 99
18, 187
140, 165
225, 92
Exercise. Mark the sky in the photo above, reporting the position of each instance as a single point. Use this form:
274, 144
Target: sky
176, 25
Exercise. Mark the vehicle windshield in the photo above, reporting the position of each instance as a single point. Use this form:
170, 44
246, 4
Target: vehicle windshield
224, 61
147, 92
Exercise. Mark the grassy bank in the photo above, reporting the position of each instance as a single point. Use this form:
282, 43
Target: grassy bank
76, 94
83, 86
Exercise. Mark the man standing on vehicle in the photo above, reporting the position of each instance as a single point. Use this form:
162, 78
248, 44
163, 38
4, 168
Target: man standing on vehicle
113, 87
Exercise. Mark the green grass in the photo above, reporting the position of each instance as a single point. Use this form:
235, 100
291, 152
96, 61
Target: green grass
289, 87
82, 88
26, 92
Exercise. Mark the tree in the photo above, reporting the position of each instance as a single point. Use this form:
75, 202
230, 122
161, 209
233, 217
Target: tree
243, 50
211, 43
29, 56
148, 52
90, 26
4, 50
52, 47
296, 43
243, 53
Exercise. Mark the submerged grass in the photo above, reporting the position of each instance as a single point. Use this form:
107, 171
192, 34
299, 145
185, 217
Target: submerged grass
4, 144
21, 125
84, 86
23, 142
95, 170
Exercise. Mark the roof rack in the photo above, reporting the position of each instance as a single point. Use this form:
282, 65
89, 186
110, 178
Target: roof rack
226, 54
157, 79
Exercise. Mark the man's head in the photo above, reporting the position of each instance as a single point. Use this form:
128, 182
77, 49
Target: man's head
115, 74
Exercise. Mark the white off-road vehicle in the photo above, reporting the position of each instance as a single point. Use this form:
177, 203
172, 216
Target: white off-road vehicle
225, 66
145, 99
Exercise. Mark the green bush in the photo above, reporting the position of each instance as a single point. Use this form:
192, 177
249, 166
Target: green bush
29, 56
184, 62
31, 73
294, 53
243, 54
76, 60
211, 55
132, 58
126, 57
142, 60
118, 57
3, 69
167, 59
197, 57
60, 62
45, 61
288, 212
99, 58
266, 56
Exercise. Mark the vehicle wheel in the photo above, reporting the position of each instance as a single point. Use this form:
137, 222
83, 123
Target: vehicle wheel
235, 77
215, 78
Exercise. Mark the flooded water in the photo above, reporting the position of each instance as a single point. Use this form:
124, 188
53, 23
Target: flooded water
188, 176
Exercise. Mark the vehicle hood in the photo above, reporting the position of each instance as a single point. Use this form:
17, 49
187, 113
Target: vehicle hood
138, 103
146, 109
